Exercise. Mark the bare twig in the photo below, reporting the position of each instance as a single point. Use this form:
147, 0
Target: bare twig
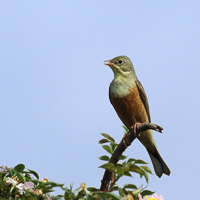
125, 142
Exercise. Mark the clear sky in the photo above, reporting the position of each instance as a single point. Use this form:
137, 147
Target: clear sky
54, 86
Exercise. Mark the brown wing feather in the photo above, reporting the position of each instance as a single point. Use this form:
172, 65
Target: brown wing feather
144, 98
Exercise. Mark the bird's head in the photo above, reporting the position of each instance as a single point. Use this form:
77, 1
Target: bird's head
121, 66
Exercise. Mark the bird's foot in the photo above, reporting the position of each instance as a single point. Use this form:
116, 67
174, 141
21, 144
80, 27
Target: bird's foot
135, 127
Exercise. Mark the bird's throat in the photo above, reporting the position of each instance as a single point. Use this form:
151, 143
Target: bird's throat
120, 86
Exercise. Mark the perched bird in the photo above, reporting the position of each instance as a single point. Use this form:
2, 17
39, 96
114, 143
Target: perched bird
130, 102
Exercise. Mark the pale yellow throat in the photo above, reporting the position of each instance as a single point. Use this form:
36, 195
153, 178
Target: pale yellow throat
121, 86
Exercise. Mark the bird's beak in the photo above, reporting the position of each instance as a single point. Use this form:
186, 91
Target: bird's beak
108, 62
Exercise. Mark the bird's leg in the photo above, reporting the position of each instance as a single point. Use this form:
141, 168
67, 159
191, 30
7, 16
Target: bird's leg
135, 127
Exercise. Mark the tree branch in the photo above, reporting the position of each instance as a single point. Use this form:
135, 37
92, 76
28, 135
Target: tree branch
125, 142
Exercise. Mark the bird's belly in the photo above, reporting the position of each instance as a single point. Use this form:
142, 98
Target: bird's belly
130, 108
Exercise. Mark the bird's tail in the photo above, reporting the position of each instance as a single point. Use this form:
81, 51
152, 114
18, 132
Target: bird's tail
159, 165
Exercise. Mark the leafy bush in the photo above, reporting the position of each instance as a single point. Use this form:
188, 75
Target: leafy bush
24, 184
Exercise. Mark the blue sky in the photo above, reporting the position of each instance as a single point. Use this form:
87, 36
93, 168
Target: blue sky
54, 86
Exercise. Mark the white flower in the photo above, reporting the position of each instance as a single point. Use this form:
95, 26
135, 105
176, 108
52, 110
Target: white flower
11, 181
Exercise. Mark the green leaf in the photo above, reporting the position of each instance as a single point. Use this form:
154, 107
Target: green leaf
113, 146
108, 149
89, 197
102, 196
139, 170
112, 196
92, 189
106, 158
108, 166
140, 162
135, 193
122, 157
52, 184
103, 141
125, 164
81, 194
57, 197
121, 192
19, 167
114, 188
130, 186
146, 192
21, 177
11, 189
13, 172
146, 176
147, 169
69, 194
125, 129
108, 137
34, 173
131, 160
127, 174
119, 170
119, 165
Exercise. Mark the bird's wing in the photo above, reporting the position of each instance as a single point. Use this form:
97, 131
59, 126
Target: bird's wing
143, 98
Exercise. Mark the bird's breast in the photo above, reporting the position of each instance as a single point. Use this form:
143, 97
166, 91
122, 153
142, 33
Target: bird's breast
121, 87
128, 104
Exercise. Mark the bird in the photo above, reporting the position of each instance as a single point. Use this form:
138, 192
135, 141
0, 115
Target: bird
130, 102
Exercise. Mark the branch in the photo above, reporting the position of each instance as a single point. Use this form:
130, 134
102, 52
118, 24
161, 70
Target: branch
125, 142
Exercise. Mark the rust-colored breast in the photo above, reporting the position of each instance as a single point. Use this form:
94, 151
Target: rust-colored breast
130, 108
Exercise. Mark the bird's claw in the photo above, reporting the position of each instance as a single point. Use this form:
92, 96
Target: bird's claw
135, 128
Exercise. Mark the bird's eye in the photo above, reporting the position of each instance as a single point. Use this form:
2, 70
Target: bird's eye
120, 61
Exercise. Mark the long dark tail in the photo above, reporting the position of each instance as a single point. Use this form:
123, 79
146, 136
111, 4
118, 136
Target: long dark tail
159, 165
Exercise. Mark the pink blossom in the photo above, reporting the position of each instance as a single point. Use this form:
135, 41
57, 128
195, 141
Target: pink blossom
3, 168
155, 196
24, 186
140, 197
28, 185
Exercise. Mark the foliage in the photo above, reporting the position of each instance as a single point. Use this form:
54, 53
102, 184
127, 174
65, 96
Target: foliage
18, 183
125, 168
